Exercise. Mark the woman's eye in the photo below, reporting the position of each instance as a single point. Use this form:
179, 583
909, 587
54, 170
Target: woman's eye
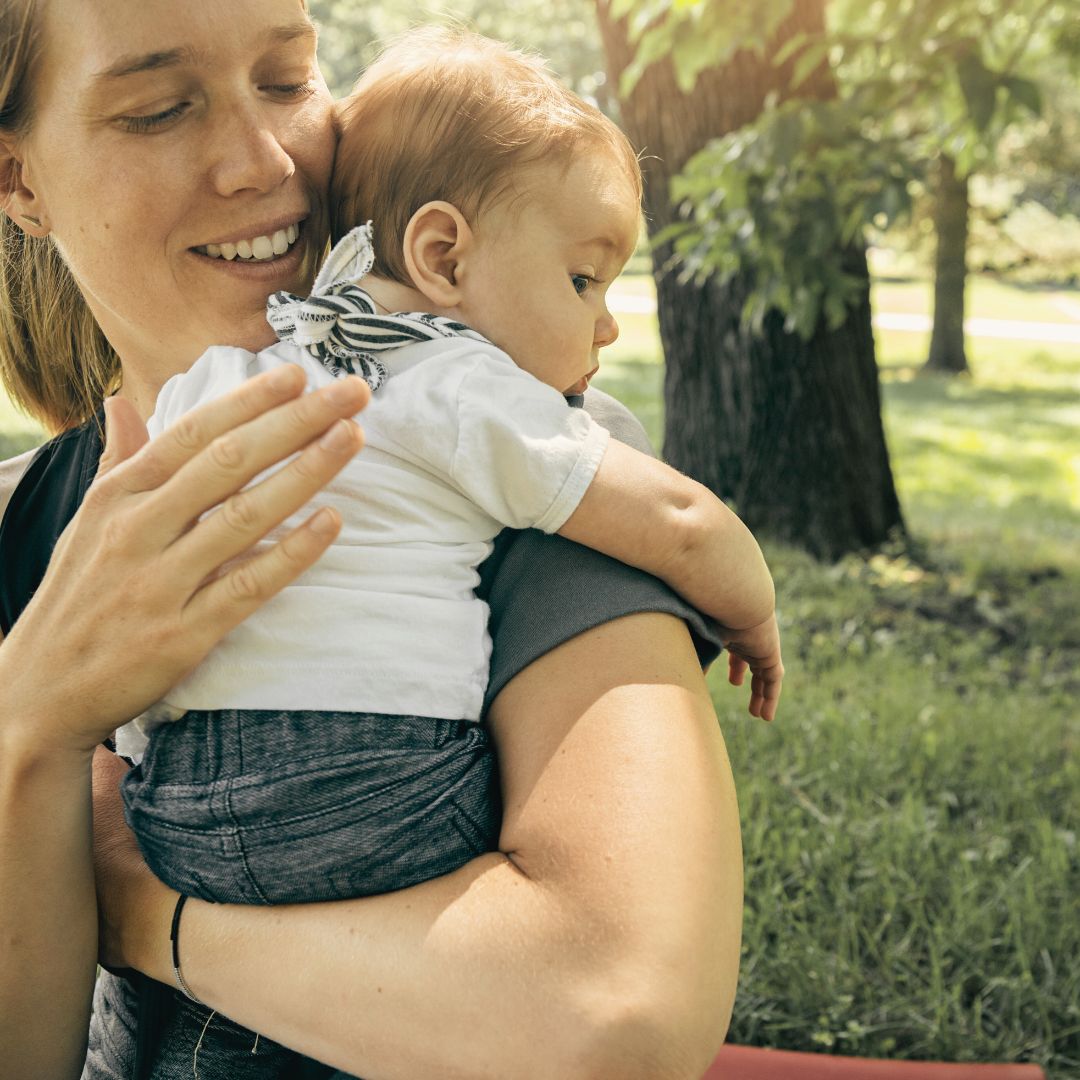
292, 90
580, 282
153, 121
143, 124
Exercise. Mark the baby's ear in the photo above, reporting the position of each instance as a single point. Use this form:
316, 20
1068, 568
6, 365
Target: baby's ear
437, 241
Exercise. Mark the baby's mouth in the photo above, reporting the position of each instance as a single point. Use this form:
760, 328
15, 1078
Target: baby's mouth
256, 248
582, 384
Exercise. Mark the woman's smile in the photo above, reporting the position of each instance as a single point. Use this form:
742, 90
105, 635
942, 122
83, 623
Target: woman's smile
270, 253
263, 247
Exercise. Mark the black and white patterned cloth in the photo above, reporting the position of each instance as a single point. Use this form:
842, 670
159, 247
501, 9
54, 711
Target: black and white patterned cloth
339, 324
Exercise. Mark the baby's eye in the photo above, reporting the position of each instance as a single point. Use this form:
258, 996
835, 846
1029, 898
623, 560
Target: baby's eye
580, 282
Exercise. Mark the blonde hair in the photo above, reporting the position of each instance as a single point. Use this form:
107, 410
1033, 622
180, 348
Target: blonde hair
54, 359
445, 114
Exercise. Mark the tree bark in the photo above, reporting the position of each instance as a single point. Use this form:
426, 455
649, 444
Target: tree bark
951, 209
788, 431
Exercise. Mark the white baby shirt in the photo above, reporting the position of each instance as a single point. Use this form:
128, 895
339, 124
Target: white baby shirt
458, 443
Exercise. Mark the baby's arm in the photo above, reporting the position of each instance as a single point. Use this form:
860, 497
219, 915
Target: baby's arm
646, 514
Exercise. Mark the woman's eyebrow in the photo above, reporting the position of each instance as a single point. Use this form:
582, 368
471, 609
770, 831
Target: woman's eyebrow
134, 65
282, 35
154, 61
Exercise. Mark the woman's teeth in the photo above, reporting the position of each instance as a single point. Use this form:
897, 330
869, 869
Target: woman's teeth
261, 249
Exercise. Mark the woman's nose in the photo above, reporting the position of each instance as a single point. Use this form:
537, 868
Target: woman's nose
250, 156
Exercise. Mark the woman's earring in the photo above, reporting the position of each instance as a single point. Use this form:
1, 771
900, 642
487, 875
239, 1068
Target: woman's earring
33, 220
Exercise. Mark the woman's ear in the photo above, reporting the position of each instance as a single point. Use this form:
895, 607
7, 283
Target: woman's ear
17, 199
438, 241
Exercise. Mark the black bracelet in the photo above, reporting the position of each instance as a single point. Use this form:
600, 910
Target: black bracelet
174, 940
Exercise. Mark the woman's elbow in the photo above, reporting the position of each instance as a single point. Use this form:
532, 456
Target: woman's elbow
649, 1034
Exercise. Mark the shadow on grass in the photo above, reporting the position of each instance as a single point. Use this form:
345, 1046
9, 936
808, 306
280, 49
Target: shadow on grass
949, 395
1048, 285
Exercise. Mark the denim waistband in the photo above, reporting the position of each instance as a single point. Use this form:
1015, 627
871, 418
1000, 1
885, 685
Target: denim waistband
204, 745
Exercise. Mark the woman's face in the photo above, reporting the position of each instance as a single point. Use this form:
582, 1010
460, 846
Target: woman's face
161, 128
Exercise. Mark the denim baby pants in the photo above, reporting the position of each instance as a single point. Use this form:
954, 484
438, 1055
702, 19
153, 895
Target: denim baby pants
258, 807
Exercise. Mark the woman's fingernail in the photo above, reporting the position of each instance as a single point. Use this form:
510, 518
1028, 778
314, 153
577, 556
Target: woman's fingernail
339, 438
343, 391
282, 378
323, 523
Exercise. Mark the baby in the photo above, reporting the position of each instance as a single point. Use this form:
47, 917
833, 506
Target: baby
330, 746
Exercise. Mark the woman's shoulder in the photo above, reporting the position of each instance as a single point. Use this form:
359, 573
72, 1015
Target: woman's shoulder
617, 418
11, 472
543, 590
39, 494
67, 461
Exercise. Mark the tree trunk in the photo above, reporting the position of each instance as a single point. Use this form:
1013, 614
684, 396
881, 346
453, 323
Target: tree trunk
950, 270
788, 431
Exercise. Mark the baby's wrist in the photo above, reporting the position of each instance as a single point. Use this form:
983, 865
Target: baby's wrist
749, 622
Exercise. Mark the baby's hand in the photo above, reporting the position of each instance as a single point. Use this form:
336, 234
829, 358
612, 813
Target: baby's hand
757, 648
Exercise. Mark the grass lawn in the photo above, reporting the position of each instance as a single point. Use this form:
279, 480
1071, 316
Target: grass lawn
911, 819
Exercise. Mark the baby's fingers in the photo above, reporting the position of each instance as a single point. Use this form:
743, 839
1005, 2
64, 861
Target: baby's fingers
765, 688
736, 669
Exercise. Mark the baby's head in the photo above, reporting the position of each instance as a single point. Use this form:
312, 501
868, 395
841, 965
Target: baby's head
495, 192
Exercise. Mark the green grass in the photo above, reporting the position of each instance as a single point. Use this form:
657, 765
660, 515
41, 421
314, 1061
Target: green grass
911, 819
910, 822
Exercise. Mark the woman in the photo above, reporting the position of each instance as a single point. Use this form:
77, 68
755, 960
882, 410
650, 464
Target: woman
602, 939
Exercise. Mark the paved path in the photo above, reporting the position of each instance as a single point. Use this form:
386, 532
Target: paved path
1011, 329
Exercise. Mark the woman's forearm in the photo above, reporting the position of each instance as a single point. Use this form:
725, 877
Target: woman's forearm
482, 973
603, 943
48, 928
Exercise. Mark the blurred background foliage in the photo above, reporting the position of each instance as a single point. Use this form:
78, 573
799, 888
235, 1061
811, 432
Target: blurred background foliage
564, 31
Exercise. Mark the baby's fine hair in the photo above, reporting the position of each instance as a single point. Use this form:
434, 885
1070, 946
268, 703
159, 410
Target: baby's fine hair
445, 114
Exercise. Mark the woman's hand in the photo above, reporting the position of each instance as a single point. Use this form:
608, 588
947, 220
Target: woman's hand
139, 589
132, 904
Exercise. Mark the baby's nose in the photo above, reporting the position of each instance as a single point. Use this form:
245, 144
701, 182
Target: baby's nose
607, 330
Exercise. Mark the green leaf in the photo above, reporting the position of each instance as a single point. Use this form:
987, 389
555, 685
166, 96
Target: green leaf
979, 87
654, 46
619, 9
692, 56
1024, 92
808, 63
787, 135
790, 48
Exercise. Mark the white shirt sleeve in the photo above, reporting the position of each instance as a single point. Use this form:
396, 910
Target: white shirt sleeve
522, 453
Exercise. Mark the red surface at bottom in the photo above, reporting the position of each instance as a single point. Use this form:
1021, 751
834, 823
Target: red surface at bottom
753, 1063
